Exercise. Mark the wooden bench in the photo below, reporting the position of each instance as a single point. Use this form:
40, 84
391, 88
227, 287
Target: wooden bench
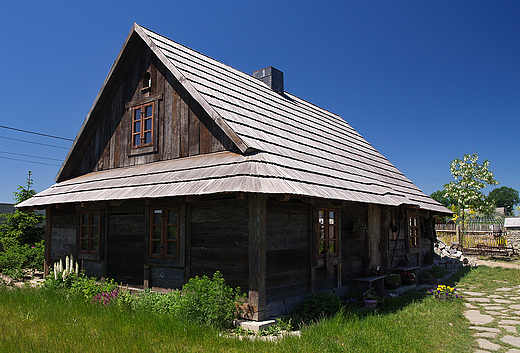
413, 269
378, 280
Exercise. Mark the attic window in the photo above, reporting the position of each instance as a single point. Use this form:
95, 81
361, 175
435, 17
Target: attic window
142, 125
147, 81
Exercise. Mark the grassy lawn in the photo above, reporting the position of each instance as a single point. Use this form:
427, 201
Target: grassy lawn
45, 321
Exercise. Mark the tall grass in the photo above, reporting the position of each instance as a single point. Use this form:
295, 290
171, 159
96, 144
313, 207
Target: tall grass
50, 321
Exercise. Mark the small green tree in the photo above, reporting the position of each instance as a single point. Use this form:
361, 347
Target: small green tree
505, 197
21, 236
470, 178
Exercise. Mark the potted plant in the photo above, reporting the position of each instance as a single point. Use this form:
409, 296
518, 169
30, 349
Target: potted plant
392, 281
407, 278
370, 298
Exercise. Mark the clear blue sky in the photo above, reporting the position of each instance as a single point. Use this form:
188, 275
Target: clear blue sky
423, 82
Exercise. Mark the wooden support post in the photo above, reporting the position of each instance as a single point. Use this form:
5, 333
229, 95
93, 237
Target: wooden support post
48, 233
257, 255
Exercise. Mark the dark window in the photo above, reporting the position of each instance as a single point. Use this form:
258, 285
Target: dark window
164, 232
142, 125
327, 232
147, 80
90, 232
414, 230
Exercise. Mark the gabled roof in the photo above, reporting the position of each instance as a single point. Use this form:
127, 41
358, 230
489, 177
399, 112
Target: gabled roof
288, 146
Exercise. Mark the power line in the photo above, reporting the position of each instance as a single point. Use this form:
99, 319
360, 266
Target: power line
35, 143
36, 133
22, 160
28, 155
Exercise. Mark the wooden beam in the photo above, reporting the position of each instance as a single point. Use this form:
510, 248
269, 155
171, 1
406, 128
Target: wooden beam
192, 198
48, 234
241, 196
284, 197
257, 255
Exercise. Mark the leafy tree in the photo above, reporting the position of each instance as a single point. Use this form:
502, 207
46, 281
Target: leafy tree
470, 178
440, 196
505, 197
21, 236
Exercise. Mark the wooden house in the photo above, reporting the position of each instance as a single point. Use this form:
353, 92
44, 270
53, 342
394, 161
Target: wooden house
185, 166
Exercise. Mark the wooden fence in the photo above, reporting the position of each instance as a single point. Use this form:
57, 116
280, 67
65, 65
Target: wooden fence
473, 237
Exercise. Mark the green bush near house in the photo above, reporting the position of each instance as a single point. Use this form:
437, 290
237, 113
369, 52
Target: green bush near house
21, 237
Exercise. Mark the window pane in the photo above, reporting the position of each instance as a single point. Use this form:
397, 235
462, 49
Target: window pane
137, 114
95, 232
147, 137
95, 220
84, 219
172, 248
331, 217
156, 234
83, 232
137, 140
172, 232
322, 247
331, 232
148, 124
156, 248
332, 247
157, 216
172, 216
137, 126
321, 217
322, 232
84, 244
149, 111
95, 245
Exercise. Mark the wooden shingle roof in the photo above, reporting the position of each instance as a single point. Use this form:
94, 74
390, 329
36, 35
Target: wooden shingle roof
289, 146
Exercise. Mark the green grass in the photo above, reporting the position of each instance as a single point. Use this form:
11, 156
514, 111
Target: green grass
45, 321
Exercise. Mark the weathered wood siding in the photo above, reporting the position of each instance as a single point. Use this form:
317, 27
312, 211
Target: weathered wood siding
63, 233
353, 241
127, 233
183, 128
219, 240
288, 251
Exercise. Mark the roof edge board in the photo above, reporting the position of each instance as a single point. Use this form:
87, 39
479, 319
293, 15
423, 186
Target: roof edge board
242, 146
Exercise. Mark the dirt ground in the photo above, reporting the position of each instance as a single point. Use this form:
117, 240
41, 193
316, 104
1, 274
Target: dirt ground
505, 262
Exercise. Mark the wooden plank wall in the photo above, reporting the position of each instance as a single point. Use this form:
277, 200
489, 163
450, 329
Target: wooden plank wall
183, 128
288, 251
127, 231
353, 241
219, 240
63, 234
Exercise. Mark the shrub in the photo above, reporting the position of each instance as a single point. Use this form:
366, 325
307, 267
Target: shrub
15, 258
209, 301
317, 306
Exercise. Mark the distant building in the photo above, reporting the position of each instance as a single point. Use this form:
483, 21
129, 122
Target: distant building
512, 226
6, 208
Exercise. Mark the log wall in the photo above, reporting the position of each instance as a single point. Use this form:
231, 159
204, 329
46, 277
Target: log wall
219, 240
287, 251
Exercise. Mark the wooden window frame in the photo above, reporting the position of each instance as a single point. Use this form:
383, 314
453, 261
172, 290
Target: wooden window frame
164, 226
413, 229
143, 118
86, 232
327, 233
